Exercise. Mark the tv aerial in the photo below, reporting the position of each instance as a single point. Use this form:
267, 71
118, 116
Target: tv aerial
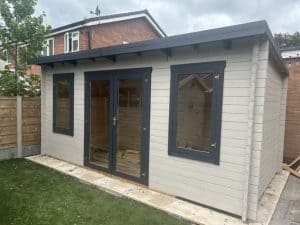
97, 12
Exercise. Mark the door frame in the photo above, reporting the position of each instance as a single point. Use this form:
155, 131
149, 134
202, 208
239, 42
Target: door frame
113, 76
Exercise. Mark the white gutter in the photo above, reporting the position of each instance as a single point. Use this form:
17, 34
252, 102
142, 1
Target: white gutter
250, 131
110, 21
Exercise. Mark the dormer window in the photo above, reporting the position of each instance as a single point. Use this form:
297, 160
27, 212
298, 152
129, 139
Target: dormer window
71, 41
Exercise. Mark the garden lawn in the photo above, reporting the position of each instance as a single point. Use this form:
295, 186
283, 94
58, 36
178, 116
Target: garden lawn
36, 195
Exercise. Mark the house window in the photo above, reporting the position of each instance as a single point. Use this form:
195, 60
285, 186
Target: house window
7, 58
63, 107
196, 111
48, 48
71, 41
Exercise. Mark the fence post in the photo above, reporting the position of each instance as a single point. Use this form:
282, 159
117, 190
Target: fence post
19, 127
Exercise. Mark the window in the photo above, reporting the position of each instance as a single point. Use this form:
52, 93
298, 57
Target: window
21, 54
71, 41
63, 99
7, 58
196, 111
48, 48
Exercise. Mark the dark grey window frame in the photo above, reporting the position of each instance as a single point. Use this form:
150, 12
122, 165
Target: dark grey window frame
216, 68
70, 78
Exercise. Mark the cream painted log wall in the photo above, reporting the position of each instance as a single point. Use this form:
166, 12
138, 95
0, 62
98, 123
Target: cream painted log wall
69, 148
267, 152
261, 71
217, 186
273, 128
220, 186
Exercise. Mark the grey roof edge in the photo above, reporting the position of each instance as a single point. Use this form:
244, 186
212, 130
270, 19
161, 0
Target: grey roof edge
275, 51
119, 15
253, 29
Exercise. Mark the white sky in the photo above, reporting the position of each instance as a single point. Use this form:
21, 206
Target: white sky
182, 16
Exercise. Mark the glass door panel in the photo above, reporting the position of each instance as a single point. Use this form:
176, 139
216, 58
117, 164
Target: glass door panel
129, 126
99, 124
117, 107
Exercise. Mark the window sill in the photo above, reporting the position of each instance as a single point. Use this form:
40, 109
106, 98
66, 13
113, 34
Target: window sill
67, 132
206, 157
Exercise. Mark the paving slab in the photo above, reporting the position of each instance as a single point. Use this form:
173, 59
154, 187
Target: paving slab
288, 208
296, 215
269, 200
170, 204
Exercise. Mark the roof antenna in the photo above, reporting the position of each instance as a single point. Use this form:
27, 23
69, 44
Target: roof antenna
96, 12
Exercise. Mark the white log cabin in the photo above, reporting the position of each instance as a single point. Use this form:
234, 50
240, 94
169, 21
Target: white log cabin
200, 116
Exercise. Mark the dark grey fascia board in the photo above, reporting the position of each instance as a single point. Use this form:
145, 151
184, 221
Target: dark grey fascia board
275, 52
254, 29
280, 64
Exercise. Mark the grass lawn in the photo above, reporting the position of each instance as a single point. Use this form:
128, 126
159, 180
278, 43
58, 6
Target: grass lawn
36, 195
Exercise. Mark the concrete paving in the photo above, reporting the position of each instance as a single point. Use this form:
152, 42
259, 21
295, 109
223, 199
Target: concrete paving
288, 208
174, 206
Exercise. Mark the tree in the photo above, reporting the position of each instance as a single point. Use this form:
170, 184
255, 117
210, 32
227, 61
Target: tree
287, 40
22, 37
11, 85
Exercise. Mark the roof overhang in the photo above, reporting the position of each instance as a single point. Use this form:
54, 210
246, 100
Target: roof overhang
225, 34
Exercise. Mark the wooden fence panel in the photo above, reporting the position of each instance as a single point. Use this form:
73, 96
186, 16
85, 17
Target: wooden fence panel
8, 122
31, 115
31, 122
292, 124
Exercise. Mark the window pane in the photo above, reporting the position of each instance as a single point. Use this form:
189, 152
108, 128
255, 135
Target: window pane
100, 118
66, 42
7, 57
50, 47
129, 127
75, 35
44, 51
194, 111
63, 101
75, 46
70, 44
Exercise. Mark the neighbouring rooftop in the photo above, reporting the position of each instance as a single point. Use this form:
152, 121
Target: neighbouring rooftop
110, 19
290, 52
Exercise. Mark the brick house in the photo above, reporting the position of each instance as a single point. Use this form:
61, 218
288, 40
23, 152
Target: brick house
104, 31
99, 32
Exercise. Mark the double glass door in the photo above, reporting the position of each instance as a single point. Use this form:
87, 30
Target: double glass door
117, 122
